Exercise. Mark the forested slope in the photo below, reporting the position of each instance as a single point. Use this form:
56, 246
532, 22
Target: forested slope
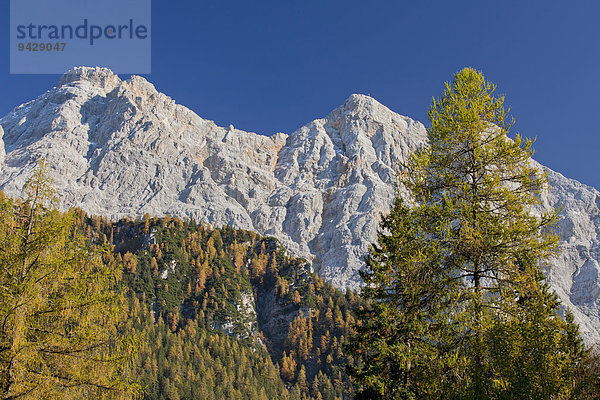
225, 313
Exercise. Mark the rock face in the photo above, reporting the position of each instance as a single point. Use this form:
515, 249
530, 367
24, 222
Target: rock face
2, 152
575, 272
119, 148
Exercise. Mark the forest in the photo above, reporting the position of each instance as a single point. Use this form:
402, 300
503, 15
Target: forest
225, 313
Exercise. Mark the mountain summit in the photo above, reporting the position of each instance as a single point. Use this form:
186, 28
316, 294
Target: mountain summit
120, 148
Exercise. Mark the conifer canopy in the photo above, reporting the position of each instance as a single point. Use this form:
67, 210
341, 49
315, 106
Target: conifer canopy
457, 303
60, 311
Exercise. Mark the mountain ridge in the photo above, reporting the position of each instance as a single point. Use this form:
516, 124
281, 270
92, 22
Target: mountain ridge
121, 148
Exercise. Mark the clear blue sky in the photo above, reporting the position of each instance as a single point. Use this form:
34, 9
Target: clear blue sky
272, 66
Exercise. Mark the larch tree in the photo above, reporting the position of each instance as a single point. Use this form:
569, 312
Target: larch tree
59, 310
457, 303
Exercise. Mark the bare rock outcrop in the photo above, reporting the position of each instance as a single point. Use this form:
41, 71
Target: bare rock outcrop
2, 151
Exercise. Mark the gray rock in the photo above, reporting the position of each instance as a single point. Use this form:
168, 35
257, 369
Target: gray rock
120, 148
2, 151
574, 272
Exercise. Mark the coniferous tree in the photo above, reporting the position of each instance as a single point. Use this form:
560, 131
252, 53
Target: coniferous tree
457, 305
59, 313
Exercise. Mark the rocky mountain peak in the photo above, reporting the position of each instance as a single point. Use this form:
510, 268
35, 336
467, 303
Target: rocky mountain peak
361, 106
98, 76
140, 86
361, 103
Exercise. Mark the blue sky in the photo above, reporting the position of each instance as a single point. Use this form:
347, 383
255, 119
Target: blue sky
272, 66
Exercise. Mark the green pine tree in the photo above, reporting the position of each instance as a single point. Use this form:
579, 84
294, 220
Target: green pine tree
59, 314
457, 304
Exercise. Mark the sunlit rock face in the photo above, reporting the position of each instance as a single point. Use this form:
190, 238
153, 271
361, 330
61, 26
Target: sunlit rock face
120, 148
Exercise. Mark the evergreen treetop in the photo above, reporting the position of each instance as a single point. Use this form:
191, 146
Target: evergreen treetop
458, 277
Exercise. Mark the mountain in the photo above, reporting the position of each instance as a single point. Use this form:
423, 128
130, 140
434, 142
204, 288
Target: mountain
120, 148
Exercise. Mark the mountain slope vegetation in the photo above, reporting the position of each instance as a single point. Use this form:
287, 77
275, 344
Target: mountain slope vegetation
225, 312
